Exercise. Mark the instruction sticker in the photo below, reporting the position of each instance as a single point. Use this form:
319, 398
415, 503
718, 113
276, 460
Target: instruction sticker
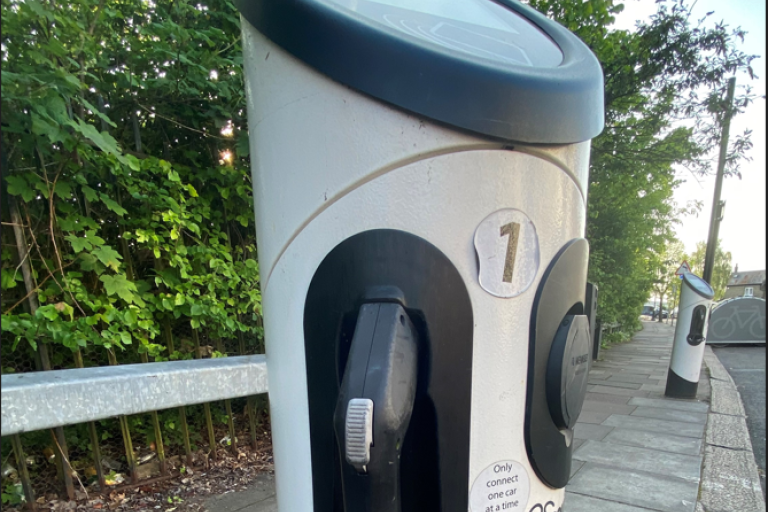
507, 252
501, 487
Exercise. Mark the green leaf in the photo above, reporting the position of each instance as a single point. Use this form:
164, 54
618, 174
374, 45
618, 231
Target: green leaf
65, 308
48, 311
72, 79
125, 338
63, 190
18, 186
94, 238
120, 286
41, 126
133, 162
8, 281
131, 317
38, 9
102, 140
79, 243
89, 263
242, 147
98, 113
112, 204
108, 256
89, 193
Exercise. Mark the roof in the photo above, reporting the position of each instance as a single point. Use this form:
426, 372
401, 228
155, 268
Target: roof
746, 277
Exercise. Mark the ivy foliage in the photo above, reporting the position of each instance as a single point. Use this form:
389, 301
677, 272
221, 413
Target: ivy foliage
665, 91
125, 155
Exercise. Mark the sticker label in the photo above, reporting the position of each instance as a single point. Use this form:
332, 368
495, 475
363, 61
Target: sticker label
508, 252
503, 486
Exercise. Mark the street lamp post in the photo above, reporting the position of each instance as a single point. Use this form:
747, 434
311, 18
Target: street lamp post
717, 204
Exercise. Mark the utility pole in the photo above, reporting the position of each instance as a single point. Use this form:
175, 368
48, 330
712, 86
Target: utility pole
717, 205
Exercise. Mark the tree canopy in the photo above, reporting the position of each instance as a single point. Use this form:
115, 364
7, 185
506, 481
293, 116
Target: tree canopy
665, 85
125, 156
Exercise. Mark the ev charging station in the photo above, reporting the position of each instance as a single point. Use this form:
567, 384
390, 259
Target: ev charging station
690, 335
420, 173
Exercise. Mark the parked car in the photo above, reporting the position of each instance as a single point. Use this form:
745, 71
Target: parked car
647, 312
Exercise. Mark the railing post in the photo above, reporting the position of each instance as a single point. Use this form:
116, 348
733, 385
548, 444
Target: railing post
21, 462
206, 406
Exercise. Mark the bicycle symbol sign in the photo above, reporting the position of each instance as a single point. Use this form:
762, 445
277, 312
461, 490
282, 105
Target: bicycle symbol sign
737, 321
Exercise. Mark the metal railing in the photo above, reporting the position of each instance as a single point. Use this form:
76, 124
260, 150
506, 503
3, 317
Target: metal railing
34, 401
40, 400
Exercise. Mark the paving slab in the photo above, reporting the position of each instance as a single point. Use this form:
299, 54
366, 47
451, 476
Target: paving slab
591, 405
259, 497
617, 391
593, 417
658, 374
653, 388
670, 414
636, 488
655, 440
639, 378
607, 398
614, 384
726, 399
576, 466
730, 481
639, 423
579, 503
591, 431
727, 432
669, 403
636, 458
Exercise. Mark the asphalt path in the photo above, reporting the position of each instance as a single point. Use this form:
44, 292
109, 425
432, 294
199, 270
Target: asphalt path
746, 364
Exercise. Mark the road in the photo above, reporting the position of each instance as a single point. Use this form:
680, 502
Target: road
746, 364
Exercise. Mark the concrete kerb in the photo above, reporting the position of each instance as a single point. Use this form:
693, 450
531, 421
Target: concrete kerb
729, 479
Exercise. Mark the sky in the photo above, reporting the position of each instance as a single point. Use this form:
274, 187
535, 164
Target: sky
742, 230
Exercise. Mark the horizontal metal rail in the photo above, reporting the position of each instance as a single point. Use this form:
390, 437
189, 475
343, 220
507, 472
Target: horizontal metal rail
41, 400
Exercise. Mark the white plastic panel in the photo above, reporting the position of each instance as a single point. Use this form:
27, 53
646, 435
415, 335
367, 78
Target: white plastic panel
686, 358
443, 200
312, 140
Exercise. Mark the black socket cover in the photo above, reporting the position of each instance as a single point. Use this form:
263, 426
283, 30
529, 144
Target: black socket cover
494, 67
568, 370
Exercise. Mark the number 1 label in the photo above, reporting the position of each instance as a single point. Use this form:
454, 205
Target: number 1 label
513, 230
507, 249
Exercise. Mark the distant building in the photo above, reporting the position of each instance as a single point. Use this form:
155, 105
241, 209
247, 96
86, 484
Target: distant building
749, 283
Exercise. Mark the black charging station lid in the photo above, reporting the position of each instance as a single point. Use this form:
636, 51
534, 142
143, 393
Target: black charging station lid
699, 285
496, 67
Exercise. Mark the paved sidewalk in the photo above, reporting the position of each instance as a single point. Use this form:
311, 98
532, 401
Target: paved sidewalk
637, 451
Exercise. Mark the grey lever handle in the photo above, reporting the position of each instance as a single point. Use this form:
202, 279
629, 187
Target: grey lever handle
374, 407
358, 433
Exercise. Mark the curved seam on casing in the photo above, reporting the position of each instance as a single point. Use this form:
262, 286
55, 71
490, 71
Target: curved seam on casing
402, 163
554, 161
